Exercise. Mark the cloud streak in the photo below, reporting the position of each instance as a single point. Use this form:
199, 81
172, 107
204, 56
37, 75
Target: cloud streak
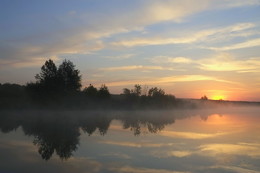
168, 153
167, 60
226, 62
167, 80
199, 36
236, 169
218, 62
246, 44
137, 145
233, 149
192, 135
120, 57
135, 67
129, 169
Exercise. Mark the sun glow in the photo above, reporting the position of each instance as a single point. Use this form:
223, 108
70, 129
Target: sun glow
218, 94
218, 97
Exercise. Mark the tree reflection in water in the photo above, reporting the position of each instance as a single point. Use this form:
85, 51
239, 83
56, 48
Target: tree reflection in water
59, 131
152, 122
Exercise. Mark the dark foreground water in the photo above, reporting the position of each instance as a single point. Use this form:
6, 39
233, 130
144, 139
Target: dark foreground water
190, 141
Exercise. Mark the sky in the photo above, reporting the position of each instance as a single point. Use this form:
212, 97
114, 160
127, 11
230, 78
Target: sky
188, 48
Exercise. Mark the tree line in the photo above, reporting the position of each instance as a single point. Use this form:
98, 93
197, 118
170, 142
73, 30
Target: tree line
60, 86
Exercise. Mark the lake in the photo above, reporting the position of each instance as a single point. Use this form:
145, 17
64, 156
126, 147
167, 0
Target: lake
165, 141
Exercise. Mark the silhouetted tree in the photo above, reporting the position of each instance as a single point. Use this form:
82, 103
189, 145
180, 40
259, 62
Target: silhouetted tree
11, 90
48, 82
103, 123
48, 73
137, 90
52, 133
88, 126
204, 97
154, 97
156, 92
71, 79
103, 92
34, 90
133, 92
12, 96
126, 91
130, 96
51, 83
90, 91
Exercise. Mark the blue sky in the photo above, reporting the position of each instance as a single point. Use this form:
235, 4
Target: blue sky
189, 48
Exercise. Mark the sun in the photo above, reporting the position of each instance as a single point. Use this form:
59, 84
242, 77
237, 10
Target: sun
218, 94
218, 97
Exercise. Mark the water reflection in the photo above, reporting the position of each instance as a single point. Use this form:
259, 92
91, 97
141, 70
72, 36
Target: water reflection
152, 122
59, 131
130, 141
56, 131
62, 137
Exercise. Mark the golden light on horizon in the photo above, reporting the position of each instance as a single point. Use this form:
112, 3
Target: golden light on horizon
218, 97
219, 94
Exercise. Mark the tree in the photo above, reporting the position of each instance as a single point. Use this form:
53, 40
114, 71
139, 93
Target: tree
70, 77
51, 83
137, 90
48, 73
103, 92
126, 91
204, 97
48, 83
90, 91
11, 90
156, 92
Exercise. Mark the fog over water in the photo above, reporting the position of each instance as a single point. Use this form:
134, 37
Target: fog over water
190, 140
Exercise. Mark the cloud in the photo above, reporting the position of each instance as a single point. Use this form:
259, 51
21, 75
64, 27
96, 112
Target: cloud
117, 155
81, 165
190, 78
199, 36
21, 63
219, 62
233, 4
19, 144
154, 11
218, 151
168, 153
245, 44
159, 11
134, 67
152, 41
233, 149
26, 154
192, 135
166, 80
180, 153
82, 33
120, 57
167, 59
129, 169
221, 168
136, 145
24, 54
226, 62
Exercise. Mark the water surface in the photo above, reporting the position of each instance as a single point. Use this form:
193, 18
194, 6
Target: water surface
194, 141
